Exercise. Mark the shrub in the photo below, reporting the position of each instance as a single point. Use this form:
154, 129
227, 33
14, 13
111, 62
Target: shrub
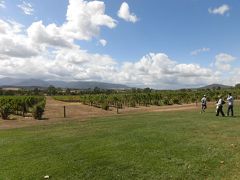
38, 110
105, 106
176, 101
5, 111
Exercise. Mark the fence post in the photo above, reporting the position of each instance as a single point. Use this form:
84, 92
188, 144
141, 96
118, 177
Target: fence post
64, 111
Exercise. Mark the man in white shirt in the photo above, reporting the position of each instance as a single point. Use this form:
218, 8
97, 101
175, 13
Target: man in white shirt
220, 106
230, 104
204, 103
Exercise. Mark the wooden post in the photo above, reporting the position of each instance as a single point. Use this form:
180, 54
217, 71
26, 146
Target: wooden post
117, 109
64, 111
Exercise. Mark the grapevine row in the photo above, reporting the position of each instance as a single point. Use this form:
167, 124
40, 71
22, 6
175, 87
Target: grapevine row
21, 105
134, 99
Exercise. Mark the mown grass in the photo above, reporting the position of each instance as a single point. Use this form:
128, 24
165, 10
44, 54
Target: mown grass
166, 145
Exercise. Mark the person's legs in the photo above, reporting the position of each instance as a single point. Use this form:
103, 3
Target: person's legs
229, 107
218, 109
221, 111
231, 110
203, 108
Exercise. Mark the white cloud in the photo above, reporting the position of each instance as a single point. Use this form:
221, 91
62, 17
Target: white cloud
2, 4
84, 19
159, 71
103, 42
50, 52
83, 22
223, 61
26, 7
13, 43
49, 35
153, 70
20, 54
10, 27
124, 13
221, 10
198, 51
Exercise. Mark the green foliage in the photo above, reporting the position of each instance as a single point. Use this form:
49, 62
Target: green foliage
5, 110
18, 105
105, 106
67, 98
38, 110
146, 97
51, 91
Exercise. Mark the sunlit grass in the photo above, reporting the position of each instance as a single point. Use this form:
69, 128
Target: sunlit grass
178, 145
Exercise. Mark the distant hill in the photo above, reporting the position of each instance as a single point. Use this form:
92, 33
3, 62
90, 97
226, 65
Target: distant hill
215, 86
31, 83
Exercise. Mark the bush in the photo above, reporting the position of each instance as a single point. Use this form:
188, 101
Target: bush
132, 104
105, 106
38, 110
176, 101
5, 111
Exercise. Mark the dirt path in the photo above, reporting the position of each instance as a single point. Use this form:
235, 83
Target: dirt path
77, 111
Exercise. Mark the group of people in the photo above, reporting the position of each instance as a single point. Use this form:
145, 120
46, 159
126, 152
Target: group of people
219, 105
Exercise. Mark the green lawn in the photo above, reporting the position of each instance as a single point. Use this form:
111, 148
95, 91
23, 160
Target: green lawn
177, 145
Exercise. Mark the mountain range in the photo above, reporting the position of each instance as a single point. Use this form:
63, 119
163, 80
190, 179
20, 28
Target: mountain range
31, 83
215, 86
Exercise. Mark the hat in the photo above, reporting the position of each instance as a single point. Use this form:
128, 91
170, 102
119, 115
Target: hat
204, 95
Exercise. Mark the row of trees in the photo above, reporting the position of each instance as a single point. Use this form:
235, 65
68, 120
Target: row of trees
146, 98
21, 105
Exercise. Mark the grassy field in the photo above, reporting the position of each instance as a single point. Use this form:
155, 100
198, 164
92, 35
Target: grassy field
177, 145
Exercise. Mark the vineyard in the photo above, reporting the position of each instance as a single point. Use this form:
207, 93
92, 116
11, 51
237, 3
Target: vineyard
22, 105
157, 98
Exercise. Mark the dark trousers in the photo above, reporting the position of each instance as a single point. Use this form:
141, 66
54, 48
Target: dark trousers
230, 108
220, 110
204, 106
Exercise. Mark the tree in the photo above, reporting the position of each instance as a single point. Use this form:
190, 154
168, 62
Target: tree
96, 90
36, 91
51, 90
68, 91
237, 86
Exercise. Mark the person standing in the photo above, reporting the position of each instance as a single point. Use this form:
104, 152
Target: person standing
204, 103
230, 104
220, 103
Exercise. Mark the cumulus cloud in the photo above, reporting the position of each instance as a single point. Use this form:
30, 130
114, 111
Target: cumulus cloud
124, 13
152, 70
103, 42
20, 54
84, 19
198, 51
2, 4
10, 27
159, 71
13, 43
50, 52
221, 10
223, 61
49, 35
83, 22
26, 7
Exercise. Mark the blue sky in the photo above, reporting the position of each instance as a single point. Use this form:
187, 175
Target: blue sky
169, 44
